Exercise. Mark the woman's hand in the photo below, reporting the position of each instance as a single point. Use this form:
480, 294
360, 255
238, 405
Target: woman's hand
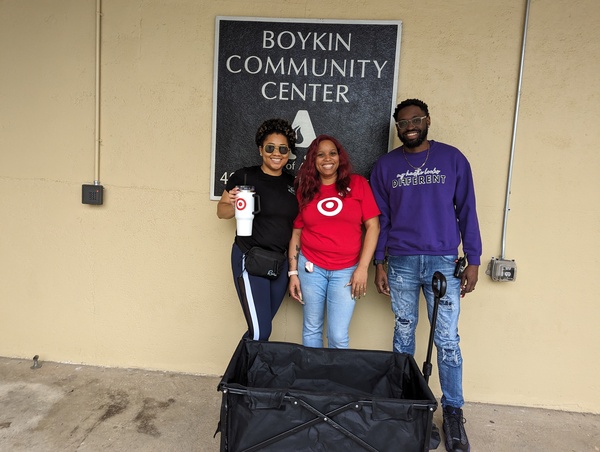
232, 195
226, 205
294, 289
359, 282
293, 254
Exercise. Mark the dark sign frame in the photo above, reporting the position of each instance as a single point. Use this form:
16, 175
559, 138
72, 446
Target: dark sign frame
337, 77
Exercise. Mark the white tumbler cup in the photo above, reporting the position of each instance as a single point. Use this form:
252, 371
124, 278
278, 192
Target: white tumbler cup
247, 204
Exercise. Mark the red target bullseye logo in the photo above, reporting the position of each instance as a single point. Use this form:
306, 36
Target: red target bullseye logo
240, 204
330, 206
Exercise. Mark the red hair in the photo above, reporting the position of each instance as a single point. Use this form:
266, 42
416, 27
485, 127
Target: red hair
308, 181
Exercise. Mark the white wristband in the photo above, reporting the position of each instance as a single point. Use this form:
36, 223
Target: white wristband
292, 272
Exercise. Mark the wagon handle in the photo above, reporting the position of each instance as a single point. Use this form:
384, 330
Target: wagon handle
438, 285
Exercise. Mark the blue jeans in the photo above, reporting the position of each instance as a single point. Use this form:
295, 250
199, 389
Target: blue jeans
407, 276
326, 290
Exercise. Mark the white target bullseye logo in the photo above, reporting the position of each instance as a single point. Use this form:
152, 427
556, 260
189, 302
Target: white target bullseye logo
240, 204
330, 206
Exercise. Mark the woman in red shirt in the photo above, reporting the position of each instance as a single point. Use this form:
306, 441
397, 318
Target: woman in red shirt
328, 258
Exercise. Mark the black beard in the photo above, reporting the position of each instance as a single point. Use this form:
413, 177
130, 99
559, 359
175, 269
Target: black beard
411, 144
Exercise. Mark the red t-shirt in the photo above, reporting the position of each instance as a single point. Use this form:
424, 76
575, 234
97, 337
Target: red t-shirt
332, 226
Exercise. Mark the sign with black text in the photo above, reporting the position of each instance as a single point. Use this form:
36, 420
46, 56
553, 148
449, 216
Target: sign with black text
324, 76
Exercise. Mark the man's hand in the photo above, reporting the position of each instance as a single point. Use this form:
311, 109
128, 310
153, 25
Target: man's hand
381, 280
468, 280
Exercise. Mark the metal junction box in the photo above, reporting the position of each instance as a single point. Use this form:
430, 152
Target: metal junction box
502, 269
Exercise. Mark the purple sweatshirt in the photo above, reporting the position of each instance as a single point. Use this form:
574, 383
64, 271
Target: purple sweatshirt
426, 210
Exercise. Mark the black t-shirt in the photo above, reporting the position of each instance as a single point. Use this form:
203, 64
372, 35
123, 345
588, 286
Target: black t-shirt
272, 226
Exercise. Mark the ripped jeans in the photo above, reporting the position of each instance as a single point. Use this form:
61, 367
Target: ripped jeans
407, 276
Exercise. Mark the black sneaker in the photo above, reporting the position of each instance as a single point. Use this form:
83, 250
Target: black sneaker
454, 429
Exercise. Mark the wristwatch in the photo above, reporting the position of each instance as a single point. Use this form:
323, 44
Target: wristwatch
376, 262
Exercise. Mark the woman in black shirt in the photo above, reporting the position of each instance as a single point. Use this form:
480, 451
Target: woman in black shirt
259, 296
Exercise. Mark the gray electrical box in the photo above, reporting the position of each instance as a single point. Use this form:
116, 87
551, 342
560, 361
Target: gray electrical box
92, 194
502, 269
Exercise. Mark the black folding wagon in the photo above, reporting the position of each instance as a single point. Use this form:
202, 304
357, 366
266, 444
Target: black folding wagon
279, 396
285, 397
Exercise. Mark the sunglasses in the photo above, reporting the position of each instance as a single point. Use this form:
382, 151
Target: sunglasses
282, 148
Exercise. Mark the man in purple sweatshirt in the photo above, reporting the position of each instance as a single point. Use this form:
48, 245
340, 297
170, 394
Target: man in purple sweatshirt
425, 192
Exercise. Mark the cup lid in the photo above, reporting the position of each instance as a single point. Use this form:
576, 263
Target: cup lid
246, 187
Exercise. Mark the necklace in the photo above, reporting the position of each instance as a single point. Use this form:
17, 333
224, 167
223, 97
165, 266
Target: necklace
410, 164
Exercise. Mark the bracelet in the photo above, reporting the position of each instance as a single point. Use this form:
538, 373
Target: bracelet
292, 272
376, 262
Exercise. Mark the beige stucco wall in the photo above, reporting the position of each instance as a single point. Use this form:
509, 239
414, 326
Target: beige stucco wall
144, 280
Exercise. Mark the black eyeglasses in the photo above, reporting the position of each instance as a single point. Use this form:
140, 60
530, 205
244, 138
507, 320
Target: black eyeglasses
282, 148
403, 124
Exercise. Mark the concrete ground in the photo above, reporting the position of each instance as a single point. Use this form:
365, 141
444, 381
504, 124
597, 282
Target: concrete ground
63, 407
